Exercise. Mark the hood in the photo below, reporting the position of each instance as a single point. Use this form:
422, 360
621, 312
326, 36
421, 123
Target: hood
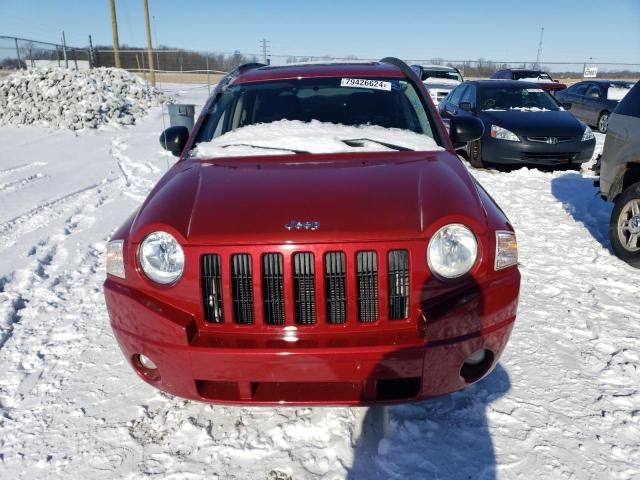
374, 196
526, 123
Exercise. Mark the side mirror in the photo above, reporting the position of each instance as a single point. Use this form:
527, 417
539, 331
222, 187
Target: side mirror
567, 105
174, 139
465, 129
466, 106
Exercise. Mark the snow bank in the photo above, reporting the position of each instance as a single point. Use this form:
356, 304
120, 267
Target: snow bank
617, 93
63, 98
288, 136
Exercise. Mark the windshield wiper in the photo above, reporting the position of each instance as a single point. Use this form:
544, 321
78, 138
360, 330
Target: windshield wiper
297, 152
357, 142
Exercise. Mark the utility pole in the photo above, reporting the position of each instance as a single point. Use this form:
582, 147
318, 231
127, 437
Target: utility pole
264, 45
539, 57
152, 73
114, 30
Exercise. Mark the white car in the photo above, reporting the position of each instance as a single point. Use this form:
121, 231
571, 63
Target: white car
438, 79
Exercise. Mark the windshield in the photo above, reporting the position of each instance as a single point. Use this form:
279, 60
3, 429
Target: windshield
531, 75
435, 75
388, 103
514, 98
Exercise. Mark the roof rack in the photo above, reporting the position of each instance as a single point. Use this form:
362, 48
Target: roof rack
233, 74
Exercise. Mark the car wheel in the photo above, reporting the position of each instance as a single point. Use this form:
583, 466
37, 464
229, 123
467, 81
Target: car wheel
624, 227
475, 154
603, 122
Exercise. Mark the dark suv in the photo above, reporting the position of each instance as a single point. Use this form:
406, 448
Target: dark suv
620, 177
538, 76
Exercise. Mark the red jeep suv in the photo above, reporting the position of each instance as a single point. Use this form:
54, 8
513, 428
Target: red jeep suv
317, 242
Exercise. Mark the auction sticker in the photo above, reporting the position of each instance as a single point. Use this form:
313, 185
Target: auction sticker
535, 90
365, 83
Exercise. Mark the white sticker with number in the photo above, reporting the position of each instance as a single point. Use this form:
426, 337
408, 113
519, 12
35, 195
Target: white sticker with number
365, 83
535, 90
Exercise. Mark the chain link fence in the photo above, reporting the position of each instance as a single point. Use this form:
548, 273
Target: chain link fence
21, 53
178, 65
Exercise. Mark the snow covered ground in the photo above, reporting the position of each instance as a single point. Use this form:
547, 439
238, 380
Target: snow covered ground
564, 403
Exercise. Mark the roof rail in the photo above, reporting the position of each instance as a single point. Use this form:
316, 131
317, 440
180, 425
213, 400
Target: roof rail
406, 69
233, 74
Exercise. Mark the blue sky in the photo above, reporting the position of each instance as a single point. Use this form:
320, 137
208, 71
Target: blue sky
466, 29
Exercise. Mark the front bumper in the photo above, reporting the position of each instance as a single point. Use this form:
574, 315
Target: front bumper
536, 153
339, 371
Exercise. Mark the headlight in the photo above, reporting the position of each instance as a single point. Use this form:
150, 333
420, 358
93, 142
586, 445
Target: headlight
452, 251
503, 134
115, 258
588, 134
161, 257
506, 250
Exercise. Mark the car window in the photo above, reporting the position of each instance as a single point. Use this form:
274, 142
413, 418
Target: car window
389, 103
454, 97
630, 104
469, 95
593, 91
516, 98
579, 88
444, 74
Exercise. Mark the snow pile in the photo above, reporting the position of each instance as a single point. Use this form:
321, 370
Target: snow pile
293, 136
617, 93
75, 100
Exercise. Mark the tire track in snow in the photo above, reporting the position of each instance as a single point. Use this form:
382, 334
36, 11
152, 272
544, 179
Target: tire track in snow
20, 184
43, 214
18, 168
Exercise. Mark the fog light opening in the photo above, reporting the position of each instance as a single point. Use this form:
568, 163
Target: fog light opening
146, 367
476, 365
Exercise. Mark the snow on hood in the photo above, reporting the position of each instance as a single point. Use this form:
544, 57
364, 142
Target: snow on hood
617, 93
288, 136
520, 109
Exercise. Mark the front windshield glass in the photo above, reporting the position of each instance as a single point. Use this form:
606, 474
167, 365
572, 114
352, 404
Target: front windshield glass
515, 98
530, 75
387, 103
435, 75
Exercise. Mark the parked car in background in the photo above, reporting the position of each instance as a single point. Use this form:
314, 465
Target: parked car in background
543, 79
592, 101
438, 79
523, 125
317, 242
620, 177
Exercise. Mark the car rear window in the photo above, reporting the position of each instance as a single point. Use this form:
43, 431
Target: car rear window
389, 103
630, 104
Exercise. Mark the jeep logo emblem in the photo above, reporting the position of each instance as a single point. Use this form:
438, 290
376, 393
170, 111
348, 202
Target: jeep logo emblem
300, 225
552, 140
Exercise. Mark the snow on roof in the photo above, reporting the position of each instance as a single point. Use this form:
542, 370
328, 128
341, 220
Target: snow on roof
288, 136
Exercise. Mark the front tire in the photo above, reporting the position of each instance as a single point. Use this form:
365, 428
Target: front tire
603, 122
624, 226
475, 154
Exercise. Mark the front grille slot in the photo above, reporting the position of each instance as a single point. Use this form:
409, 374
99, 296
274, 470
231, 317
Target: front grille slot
273, 288
335, 287
304, 287
398, 284
367, 283
546, 139
241, 283
212, 288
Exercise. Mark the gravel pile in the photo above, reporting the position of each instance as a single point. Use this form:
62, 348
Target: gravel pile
63, 98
